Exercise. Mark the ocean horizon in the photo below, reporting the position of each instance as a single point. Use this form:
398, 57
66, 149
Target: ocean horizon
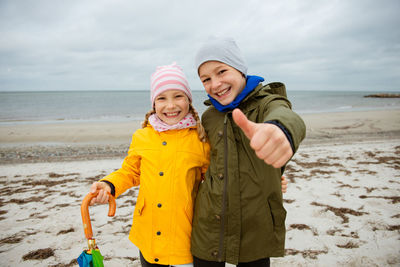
82, 106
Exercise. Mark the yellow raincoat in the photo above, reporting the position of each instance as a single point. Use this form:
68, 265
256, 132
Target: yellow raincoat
168, 166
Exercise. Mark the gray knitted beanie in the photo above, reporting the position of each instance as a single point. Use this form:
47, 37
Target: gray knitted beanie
223, 50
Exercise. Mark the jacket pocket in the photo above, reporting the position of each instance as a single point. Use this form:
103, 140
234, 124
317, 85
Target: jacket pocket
278, 213
139, 206
189, 211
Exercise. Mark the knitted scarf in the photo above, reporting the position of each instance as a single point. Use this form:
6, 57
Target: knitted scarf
160, 126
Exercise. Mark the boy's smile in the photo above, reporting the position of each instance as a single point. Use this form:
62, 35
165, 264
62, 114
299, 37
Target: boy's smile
171, 106
221, 81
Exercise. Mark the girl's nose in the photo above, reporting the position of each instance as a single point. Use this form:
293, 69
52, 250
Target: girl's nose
170, 104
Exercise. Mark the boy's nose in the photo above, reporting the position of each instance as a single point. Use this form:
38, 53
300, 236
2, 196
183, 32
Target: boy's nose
215, 83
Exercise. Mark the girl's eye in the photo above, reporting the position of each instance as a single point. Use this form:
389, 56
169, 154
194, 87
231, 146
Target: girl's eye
206, 80
160, 98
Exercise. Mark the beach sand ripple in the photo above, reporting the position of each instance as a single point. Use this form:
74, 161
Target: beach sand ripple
342, 203
343, 199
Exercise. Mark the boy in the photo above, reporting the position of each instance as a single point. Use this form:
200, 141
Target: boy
239, 215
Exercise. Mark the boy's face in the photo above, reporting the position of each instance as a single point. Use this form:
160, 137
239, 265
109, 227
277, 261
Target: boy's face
222, 82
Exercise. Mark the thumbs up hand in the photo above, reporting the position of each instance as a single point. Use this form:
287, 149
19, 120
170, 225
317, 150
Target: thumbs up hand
268, 141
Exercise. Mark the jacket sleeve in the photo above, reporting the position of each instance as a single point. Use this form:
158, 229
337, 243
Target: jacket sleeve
206, 158
280, 110
129, 173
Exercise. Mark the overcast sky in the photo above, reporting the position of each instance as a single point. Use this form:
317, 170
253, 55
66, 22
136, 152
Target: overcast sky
116, 45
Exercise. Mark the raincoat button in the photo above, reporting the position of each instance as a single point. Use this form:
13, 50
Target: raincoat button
159, 205
158, 233
220, 133
164, 143
214, 253
221, 176
156, 259
161, 173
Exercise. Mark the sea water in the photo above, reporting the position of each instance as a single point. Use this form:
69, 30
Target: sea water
70, 106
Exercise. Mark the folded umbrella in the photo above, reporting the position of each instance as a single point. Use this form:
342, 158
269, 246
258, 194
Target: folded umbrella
92, 256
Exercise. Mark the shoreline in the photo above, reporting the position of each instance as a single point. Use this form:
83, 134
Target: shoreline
350, 127
24, 143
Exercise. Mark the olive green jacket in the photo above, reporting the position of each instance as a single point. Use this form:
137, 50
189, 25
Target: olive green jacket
239, 214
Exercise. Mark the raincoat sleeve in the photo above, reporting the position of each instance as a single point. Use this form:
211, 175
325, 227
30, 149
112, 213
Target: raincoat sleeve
206, 158
129, 173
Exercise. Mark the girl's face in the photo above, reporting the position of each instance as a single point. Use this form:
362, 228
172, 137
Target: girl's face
222, 82
171, 106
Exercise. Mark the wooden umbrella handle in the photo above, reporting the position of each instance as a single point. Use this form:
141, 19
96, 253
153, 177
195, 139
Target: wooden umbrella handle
87, 225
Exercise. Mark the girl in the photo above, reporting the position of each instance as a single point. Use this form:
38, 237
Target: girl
167, 158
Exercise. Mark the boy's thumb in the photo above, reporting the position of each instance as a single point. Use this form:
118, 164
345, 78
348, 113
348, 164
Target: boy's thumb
244, 124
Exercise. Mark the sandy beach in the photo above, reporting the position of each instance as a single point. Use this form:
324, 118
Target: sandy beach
343, 200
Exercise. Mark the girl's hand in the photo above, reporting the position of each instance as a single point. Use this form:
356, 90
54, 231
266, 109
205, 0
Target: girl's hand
284, 183
104, 191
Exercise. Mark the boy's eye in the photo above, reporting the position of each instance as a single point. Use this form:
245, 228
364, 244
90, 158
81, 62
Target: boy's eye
222, 71
206, 80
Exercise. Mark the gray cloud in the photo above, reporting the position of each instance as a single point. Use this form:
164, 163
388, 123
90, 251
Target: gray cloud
116, 45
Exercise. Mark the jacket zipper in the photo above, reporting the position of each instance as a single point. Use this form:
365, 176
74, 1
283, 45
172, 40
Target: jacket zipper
222, 229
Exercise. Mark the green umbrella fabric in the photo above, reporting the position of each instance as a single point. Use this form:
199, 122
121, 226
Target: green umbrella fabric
97, 258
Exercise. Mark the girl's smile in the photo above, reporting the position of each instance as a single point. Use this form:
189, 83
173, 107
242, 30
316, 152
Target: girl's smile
173, 115
171, 106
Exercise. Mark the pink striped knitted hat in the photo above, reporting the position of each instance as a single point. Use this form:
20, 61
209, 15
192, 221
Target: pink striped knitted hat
169, 77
